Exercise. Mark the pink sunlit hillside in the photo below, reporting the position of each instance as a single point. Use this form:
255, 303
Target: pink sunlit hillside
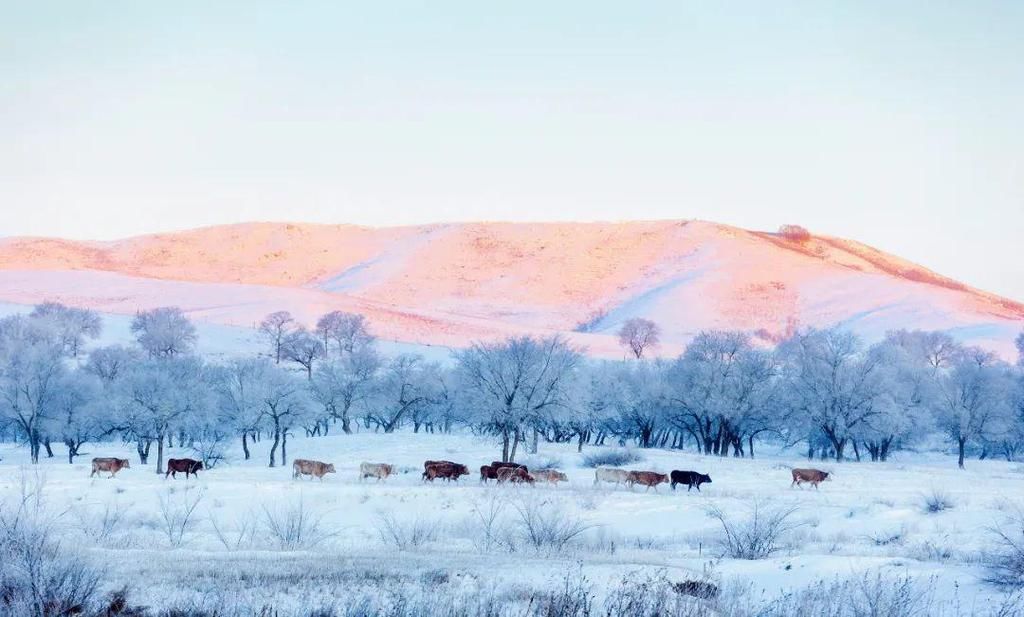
449, 284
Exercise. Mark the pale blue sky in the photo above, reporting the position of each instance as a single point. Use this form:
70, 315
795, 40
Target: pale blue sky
900, 126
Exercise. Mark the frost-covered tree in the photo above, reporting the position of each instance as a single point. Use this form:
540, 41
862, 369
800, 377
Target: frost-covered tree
344, 332
511, 382
937, 350
164, 332
638, 334
721, 387
112, 362
832, 385
160, 395
239, 393
1020, 349
286, 404
642, 402
276, 327
342, 384
304, 349
72, 325
78, 411
32, 370
974, 402
909, 380
407, 385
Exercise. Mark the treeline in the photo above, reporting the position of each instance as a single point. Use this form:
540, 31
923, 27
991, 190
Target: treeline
826, 389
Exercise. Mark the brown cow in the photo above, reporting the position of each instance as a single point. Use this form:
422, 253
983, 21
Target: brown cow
381, 471
183, 465
429, 463
500, 464
313, 469
487, 472
514, 475
646, 478
552, 476
811, 476
113, 465
445, 470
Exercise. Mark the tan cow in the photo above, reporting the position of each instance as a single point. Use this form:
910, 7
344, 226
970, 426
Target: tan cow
610, 474
811, 476
381, 471
646, 478
313, 469
552, 476
113, 465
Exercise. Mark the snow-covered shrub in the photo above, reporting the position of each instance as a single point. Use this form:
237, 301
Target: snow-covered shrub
543, 462
178, 513
488, 523
937, 501
293, 526
611, 458
861, 596
1005, 561
38, 576
757, 535
546, 527
100, 523
406, 534
237, 534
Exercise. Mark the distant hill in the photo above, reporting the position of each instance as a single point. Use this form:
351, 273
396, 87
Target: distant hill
450, 284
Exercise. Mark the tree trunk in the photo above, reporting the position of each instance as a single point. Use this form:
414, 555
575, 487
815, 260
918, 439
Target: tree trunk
49, 450
284, 446
277, 440
515, 444
345, 424
536, 440
245, 444
961, 442
142, 447
750, 446
159, 455
504, 446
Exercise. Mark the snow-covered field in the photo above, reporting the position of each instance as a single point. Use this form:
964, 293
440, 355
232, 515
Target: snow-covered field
871, 518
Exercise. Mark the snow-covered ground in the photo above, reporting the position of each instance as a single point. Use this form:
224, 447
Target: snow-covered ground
871, 518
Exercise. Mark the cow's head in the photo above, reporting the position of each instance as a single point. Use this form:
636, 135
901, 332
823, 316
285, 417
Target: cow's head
330, 468
388, 469
705, 479
462, 470
561, 476
124, 463
827, 476
198, 466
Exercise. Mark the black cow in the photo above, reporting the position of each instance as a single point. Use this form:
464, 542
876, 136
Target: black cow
183, 465
689, 478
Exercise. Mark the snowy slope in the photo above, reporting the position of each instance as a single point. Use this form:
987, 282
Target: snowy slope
450, 284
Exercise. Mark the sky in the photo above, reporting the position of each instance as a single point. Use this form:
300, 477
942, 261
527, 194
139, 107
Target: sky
897, 124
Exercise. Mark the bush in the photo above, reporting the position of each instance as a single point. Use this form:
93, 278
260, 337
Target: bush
178, 514
759, 535
1005, 562
543, 462
38, 577
295, 527
546, 527
937, 501
794, 233
405, 535
611, 458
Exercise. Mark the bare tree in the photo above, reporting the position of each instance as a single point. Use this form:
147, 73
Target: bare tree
338, 385
164, 332
407, 384
973, 400
276, 327
638, 334
513, 381
304, 349
112, 362
285, 405
347, 331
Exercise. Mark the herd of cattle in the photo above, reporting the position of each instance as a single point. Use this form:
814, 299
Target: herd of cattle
500, 472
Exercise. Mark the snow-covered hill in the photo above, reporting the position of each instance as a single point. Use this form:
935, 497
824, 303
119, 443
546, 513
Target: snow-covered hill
450, 284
